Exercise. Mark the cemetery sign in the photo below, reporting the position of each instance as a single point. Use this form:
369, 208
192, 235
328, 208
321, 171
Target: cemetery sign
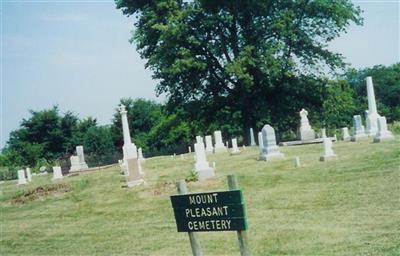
212, 211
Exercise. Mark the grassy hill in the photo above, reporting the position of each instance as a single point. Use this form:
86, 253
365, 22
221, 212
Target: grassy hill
350, 206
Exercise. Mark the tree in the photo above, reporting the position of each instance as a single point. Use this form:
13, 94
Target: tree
252, 56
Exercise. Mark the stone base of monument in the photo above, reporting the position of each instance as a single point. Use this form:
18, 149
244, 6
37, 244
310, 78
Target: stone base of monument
306, 135
358, 137
206, 173
133, 173
324, 158
271, 157
303, 142
383, 137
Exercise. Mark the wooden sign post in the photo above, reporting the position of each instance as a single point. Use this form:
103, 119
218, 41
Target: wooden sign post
210, 211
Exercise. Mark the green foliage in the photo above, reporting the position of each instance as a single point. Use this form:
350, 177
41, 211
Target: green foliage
338, 106
192, 177
253, 56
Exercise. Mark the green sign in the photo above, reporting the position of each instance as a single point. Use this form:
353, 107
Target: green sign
213, 211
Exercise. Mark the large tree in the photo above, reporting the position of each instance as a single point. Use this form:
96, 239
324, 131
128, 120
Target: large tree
253, 56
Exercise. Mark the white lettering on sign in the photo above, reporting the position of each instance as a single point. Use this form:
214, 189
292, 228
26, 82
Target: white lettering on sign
209, 225
202, 199
207, 211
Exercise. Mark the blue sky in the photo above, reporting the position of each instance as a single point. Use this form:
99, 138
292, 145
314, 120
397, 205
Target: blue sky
76, 54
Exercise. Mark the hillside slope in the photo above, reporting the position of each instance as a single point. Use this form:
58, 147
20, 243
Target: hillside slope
350, 206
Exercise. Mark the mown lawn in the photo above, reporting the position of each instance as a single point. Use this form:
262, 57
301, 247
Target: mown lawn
350, 206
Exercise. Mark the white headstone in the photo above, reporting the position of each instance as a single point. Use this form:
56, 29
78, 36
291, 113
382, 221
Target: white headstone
306, 132
235, 149
270, 150
345, 134
201, 166
383, 132
28, 174
129, 148
252, 140
209, 144
80, 154
75, 163
21, 177
199, 139
219, 145
328, 152
189, 149
371, 116
358, 129
57, 174
260, 142
296, 162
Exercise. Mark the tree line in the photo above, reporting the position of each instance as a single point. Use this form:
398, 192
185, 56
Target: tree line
49, 134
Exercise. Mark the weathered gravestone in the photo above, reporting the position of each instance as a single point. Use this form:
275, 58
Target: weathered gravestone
270, 150
57, 173
260, 142
235, 150
21, 177
75, 163
140, 155
305, 130
345, 134
201, 166
296, 162
328, 152
252, 140
383, 132
219, 145
209, 144
80, 154
358, 129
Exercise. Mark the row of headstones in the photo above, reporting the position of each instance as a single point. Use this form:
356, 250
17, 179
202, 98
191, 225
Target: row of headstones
359, 132
25, 176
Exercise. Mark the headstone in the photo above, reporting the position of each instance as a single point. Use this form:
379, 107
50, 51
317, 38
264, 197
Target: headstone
270, 150
227, 144
134, 173
323, 133
129, 148
189, 149
244, 147
260, 143
209, 145
383, 132
140, 155
21, 177
296, 162
42, 168
345, 134
371, 115
199, 139
75, 164
252, 141
79, 153
219, 145
201, 166
358, 129
57, 174
328, 152
306, 132
28, 174
235, 150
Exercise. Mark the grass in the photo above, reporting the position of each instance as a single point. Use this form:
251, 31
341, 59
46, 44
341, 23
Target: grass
349, 206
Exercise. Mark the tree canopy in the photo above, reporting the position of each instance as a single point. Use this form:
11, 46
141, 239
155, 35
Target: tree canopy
250, 57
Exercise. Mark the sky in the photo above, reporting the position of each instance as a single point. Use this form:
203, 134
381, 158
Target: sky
76, 54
